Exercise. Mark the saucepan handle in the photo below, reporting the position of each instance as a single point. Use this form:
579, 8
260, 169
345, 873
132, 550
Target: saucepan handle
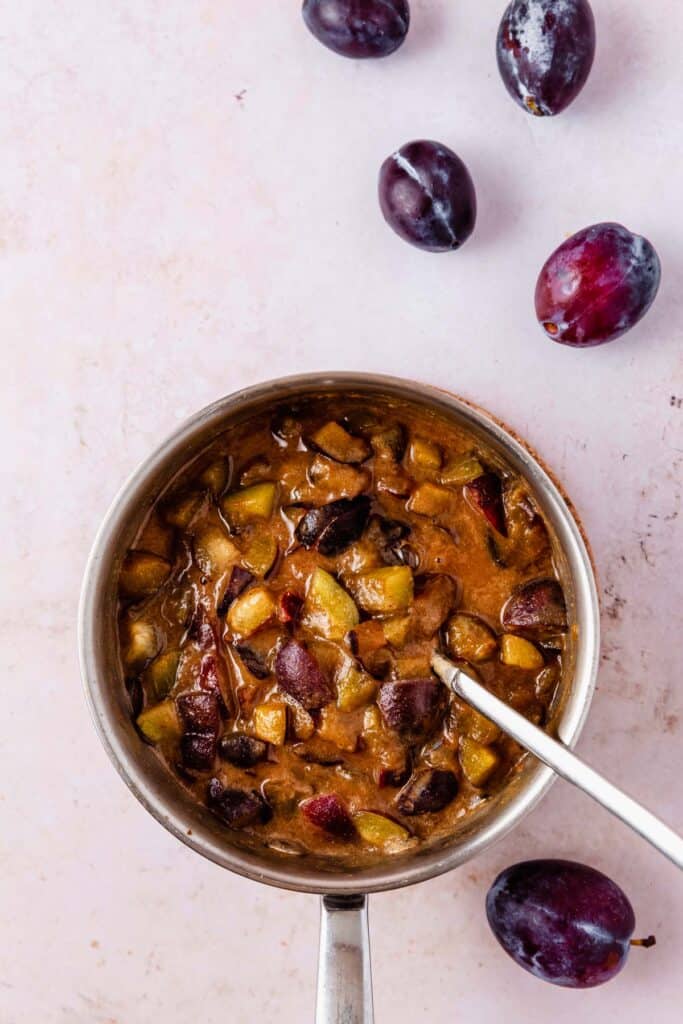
344, 974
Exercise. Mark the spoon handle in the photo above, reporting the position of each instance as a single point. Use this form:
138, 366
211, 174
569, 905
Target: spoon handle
558, 757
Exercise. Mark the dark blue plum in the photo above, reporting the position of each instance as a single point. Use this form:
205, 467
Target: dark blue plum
427, 196
545, 52
597, 285
358, 28
563, 922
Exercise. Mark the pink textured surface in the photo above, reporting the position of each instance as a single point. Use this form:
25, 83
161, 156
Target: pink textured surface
187, 205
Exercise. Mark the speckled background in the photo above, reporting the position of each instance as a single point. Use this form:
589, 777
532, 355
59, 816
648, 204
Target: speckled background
187, 205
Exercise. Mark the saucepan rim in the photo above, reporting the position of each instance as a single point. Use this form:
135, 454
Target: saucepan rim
187, 827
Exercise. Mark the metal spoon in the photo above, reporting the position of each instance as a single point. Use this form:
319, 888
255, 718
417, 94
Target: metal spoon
558, 757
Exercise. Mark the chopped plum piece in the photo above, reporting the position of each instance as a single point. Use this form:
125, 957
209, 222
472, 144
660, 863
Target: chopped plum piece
424, 458
355, 689
390, 443
318, 751
335, 442
432, 606
298, 674
520, 653
253, 660
160, 722
142, 573
239, 581
396, 629
270, 722
462, 470
214, 552
313, 522
391, 478
328, 609
237, 807
537, 608
212, 679
261, 554
335, 526
384, 591
250, 504
378, 830
199, 712
198, 750
290, 608
215, 476
478, 761
428, 791
143, 643
161, 674
470, 639
486, 495
327, 812
412, 706
181, 510
251, 612
430, 499
479, 727
202, 629
241, 750
333, 481
301, 722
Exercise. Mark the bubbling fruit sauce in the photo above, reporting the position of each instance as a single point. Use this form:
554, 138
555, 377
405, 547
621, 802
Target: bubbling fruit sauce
280, 606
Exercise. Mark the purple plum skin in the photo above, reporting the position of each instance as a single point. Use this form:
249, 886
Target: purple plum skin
427, 196
358, 28
428, 791
545, 52
411, 706
597, 286
537, 609
328, 813
242, 750
299, 674
486, 494
563, 922
237, 807
199, 712
335, 526
198, 750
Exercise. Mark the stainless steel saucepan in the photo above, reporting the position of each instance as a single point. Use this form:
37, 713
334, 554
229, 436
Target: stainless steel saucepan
344, 983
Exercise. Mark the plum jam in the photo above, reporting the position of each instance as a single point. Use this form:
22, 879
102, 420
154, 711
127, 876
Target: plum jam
282, 601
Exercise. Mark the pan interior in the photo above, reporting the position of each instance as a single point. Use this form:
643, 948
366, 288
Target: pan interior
150, 780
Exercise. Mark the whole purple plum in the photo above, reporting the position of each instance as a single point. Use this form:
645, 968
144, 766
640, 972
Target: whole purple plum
545, 51
563, 922
358, 28
597, 285
427, 196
